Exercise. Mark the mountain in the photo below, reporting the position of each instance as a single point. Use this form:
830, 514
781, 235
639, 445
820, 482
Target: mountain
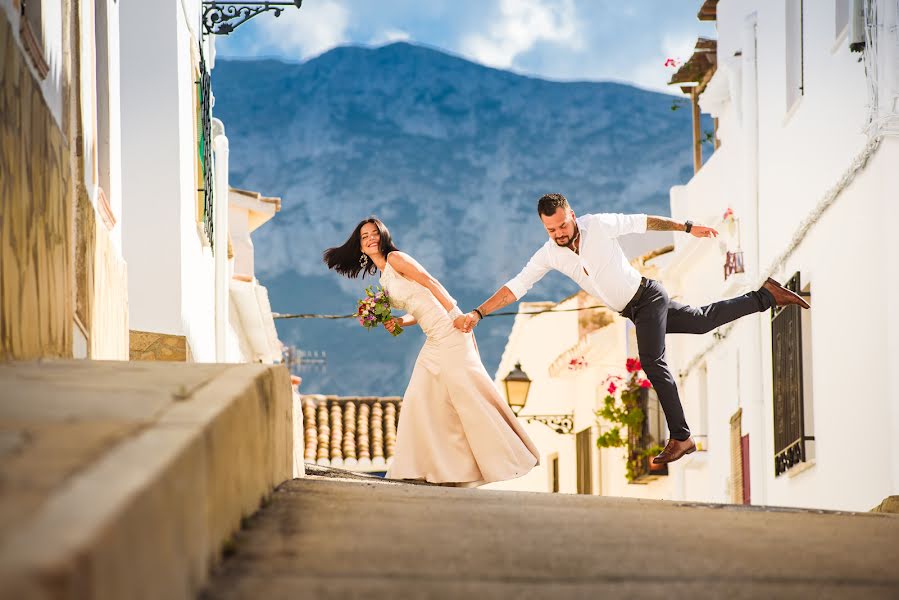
452, 155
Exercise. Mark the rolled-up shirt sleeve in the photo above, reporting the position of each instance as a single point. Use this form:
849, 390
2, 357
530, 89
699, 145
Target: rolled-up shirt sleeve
616, 224
532, 272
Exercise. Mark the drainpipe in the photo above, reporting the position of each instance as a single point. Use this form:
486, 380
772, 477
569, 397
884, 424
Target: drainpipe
220, 211
755, 410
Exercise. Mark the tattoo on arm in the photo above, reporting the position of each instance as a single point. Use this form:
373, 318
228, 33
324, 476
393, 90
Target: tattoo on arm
502, 297
663, 224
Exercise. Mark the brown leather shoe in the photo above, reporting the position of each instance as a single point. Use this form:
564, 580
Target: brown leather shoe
674, 450
783, 296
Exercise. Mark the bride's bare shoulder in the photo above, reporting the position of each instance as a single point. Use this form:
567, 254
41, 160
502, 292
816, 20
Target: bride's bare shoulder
397, 259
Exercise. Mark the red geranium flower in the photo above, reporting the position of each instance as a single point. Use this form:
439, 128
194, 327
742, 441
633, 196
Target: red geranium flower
645, 384
633, 365
612, 389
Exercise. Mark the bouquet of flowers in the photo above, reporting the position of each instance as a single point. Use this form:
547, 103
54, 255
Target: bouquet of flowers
374, 309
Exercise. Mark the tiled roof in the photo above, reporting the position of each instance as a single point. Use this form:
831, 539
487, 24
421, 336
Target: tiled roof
355, 432
699, 67
708, 11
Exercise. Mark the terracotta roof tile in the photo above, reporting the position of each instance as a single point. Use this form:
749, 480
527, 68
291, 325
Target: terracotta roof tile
708, 11
700, 65
355, 432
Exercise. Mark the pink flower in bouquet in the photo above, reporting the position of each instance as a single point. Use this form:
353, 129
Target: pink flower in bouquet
645, 383
374, 309
633, 365
612, 388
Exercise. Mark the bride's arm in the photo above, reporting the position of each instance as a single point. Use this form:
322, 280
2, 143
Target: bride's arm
409, 268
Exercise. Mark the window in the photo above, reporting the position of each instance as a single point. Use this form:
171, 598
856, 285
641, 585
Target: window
790, 381
841, 16
643, 444
554, 474
795, 82
701, 435
584, 445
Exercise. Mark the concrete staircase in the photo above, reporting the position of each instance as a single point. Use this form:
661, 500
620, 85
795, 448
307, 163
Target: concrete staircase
333, 535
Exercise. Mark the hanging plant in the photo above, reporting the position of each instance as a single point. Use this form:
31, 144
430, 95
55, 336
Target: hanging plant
622, 408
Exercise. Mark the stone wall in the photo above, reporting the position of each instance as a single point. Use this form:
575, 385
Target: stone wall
147, 345
36, 275
57, 260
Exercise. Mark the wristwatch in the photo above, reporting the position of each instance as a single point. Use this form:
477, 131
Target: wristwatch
688, 225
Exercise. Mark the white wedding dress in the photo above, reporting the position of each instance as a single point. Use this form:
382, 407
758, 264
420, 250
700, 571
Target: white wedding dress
454, 426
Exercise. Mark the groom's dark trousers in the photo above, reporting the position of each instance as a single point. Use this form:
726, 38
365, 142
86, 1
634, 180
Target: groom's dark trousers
654, 315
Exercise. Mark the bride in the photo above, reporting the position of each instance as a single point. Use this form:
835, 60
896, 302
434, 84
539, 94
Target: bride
454, 427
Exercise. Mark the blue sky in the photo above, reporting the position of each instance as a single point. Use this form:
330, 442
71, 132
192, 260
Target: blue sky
617, 40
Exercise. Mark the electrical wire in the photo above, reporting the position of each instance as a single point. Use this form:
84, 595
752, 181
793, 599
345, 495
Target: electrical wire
497, 314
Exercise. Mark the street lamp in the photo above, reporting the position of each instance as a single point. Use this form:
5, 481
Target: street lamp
518, 384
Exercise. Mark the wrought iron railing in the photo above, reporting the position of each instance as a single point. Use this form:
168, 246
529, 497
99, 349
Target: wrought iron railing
204, 148
786, 350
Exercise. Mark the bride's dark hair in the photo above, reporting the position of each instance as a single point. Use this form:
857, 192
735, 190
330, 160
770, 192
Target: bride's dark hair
345, 258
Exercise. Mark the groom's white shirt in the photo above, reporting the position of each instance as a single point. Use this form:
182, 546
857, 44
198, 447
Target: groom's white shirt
609, 275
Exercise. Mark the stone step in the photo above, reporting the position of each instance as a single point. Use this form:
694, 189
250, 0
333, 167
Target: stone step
126, 480
324, 537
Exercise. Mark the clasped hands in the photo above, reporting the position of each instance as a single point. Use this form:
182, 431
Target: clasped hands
466, 322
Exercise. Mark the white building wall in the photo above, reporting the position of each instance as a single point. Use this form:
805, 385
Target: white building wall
151, 166
535, 341
847, 258
171, 268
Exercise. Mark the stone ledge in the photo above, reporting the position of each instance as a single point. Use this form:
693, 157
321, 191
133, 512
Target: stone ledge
147, 512
890, 504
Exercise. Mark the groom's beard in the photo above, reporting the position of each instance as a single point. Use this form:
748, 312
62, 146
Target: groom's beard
571, 241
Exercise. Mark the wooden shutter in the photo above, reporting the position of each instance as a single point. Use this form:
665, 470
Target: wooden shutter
736, 457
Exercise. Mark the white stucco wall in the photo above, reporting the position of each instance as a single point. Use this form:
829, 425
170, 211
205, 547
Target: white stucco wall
846, 258
171, 269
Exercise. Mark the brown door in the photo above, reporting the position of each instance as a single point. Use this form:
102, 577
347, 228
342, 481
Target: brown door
584, 462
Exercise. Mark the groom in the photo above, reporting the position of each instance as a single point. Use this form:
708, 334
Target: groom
586, 249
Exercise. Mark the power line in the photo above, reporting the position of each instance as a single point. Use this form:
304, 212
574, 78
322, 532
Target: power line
498, 314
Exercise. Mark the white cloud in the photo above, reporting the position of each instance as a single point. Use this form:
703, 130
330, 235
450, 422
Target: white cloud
300, 34
520, 25
388, 36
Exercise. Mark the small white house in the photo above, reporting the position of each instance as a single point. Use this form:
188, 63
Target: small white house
253, 336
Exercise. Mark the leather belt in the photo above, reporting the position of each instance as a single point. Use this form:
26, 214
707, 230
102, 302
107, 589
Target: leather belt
633, 301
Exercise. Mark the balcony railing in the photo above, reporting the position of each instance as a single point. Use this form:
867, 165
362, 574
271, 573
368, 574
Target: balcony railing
204, 148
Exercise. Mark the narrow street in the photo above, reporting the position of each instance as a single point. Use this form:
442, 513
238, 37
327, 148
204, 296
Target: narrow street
335, 536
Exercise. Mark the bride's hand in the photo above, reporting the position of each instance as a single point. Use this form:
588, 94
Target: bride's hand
390, 325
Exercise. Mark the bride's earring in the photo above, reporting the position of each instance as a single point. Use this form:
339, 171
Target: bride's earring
363, 261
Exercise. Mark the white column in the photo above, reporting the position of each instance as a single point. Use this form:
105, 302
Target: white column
220, 216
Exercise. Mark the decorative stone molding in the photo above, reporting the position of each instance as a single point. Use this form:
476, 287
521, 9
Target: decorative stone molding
147, 345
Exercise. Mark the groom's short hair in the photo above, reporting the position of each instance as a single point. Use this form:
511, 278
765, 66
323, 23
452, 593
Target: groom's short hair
548, 204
